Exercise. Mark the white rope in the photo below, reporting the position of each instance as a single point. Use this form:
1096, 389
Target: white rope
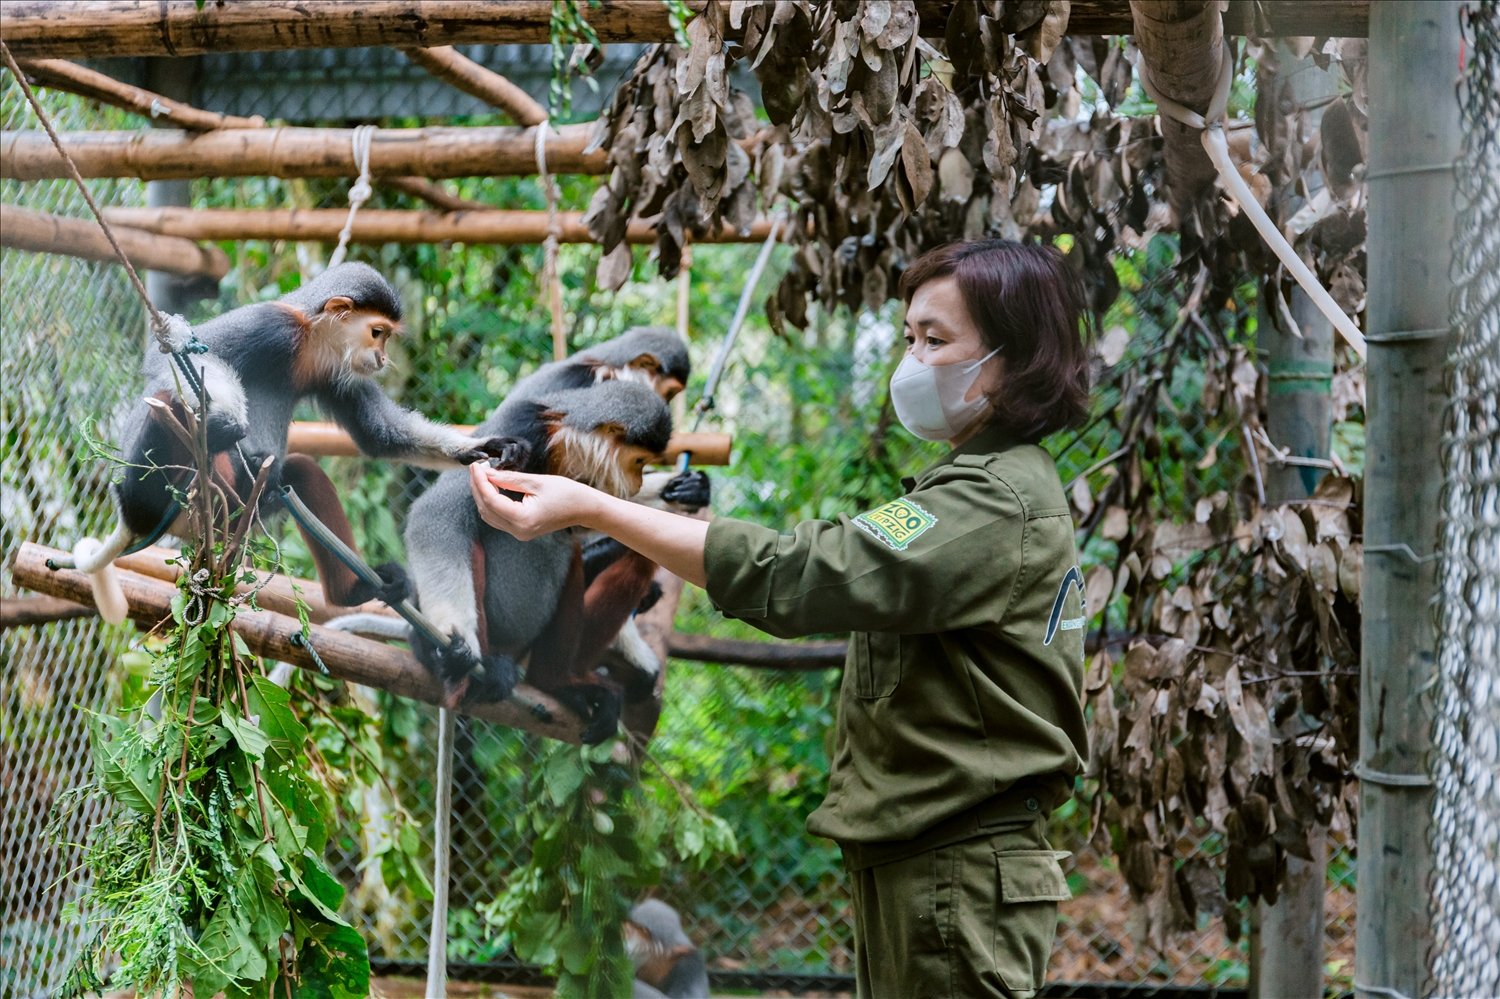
437, 941
1210, 127
550, 244
359, 193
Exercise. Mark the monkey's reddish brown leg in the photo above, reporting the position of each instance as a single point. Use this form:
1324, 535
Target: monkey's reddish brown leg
557, 667
340, 585
610, 600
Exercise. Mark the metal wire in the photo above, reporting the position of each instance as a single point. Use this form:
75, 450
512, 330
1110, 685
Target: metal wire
1466, 762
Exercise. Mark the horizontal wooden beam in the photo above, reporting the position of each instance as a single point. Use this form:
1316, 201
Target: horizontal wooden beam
167, 154
487, 227
100, 28
759, 655
329, 440
24, 229
269, 634
19, 611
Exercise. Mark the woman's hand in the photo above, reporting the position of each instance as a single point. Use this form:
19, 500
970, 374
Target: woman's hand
550, 502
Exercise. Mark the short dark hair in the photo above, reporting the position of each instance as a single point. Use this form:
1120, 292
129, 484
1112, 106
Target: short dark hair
1028, 302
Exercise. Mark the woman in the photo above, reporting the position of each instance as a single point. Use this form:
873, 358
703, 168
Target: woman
959, 725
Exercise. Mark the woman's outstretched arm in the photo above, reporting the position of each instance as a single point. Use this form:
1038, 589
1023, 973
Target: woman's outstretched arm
550, 503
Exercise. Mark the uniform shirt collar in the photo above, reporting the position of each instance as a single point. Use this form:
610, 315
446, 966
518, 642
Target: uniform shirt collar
990, 440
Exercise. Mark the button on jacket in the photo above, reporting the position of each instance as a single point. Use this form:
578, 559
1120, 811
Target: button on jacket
961, 688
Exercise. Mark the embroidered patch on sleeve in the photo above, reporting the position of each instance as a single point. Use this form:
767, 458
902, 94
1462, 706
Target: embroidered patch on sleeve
896, 524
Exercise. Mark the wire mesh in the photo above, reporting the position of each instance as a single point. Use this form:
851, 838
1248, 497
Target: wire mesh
70, 334
1466, 764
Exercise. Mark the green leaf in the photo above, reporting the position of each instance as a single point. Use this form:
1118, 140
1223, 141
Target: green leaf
125, 764
562, 776
251, 740
318, 887
333, 963
285, 733
226, 951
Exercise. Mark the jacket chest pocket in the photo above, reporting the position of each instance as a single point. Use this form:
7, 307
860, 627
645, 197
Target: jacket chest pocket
877, 664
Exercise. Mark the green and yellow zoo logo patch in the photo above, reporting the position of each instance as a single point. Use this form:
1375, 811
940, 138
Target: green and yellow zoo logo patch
897, 524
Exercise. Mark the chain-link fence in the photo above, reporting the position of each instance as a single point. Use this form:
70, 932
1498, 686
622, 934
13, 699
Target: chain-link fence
1466, 765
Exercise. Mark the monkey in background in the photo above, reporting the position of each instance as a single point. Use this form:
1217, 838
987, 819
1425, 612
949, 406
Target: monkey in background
499, 599
325, 340
667, 965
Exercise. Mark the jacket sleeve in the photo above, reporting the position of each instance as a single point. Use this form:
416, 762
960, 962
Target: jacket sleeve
946, 556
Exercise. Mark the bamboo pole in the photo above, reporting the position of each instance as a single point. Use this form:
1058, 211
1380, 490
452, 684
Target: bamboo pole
459, 71
497, 227
499, 151
59, 74
24, 229
18, 611
100, 28
329, 440
269, 634
1415, 137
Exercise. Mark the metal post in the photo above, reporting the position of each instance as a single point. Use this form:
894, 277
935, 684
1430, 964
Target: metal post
1414, 142
171, 78
1287, 958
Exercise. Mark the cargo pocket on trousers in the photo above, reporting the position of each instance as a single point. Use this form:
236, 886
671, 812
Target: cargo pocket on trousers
1031, 884
877, 664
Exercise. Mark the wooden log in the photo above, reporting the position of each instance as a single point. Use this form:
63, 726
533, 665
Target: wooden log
63, 28
459, 71
374, 225
24, 229
17, 611
103, 28
59, 74
269, 634
329, 440
166, 154
759, 655
433, 193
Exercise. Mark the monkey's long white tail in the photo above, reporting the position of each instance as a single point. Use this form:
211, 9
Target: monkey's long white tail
95, 558
437, 944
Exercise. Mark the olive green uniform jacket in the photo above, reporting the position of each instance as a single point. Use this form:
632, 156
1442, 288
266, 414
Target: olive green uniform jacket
960, 703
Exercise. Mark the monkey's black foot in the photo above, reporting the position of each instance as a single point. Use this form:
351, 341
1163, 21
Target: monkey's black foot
598, 706
224, 431
395, 587
689, 490
509, 453
452, 664
653, 594
495, 681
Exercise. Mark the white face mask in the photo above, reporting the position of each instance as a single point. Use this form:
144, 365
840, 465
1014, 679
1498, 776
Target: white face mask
929, 398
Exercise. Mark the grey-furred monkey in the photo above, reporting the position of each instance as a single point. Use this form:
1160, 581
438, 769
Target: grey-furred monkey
498, 599
666, 962
324, 341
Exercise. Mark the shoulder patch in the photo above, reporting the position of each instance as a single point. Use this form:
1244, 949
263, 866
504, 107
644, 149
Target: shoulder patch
896, 524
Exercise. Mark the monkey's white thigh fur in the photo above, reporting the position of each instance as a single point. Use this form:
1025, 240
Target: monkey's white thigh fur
226, 394
630, 647
95, 557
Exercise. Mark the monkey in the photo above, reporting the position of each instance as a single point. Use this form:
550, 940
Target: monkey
666, 962
325, 341
651, 355
498, 599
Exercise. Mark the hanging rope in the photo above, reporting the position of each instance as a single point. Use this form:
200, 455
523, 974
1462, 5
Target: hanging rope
1210, 128
359, 193
550, 277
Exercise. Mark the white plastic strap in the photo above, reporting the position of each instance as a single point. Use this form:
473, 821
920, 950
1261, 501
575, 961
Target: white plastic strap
1210, 127
359, 193
550, 245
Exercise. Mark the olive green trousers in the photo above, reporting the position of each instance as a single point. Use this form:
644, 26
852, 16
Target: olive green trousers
974, 919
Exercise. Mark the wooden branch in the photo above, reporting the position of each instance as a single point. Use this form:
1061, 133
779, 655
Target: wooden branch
60, 74
17, 611
459, 71
760, 655
329, 440
373, 225
163, 154
100, 28
178, 28
269, 634
433, 193
24, 229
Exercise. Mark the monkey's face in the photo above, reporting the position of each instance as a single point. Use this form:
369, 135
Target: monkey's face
365, 336
633, 461
646, 369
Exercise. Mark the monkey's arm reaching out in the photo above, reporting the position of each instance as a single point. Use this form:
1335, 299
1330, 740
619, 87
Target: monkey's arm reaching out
382, 429
550, 503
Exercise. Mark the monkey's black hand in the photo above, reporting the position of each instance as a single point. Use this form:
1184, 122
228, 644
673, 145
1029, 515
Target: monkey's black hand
688, 489
600, 554
224, 431
395, 585
495, 681
653, 594
597, 705
510, 453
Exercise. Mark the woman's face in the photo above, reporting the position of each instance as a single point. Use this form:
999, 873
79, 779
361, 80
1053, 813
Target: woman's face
939, 331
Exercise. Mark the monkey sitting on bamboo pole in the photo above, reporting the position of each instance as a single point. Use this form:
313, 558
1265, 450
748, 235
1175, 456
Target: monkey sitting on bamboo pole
323, 341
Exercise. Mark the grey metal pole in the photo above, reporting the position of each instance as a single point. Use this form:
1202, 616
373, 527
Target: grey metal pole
1287, 959
171, 78
1414, 141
